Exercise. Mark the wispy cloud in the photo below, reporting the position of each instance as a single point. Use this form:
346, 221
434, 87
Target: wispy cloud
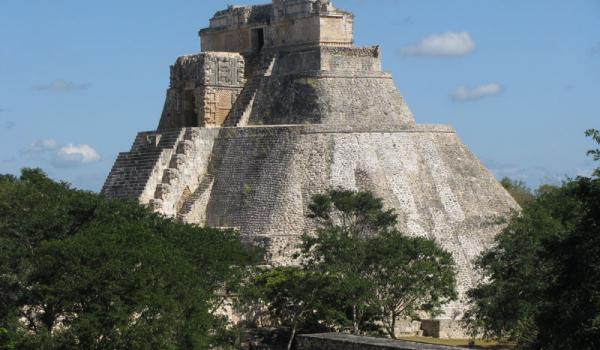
68, 156
445, 44
41, 146
71, 156
463, 93
58, 86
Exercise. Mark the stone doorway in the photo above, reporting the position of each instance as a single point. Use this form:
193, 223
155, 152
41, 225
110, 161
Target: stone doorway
258, 39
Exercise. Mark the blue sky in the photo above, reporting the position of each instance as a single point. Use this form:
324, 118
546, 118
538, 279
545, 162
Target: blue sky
518, 79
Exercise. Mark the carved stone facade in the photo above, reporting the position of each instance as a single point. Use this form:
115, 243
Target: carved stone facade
203, 89
248, 135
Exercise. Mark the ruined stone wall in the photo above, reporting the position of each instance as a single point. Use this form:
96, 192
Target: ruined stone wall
203, 89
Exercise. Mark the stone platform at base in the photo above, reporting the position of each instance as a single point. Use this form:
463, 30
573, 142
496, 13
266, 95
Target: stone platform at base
338, 341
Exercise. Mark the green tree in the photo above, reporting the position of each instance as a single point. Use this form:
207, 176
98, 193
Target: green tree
294, 297
382, 274
80, 271
506, 305
345, 220
518, 190
571, 317
410, 276
595, 153
543, 275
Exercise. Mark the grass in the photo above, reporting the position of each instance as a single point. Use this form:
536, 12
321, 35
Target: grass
481, 344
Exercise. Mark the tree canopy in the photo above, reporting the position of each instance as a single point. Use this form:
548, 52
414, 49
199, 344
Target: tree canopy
80, 271
518, 190
542, 278
295, 298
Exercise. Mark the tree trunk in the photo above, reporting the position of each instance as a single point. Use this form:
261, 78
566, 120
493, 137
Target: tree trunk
291, 341
393, 327
355, 319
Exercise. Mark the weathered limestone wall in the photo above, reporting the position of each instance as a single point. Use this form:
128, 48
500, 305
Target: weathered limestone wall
336, 30
334, 99
355, 59
307, 61
232, 40
261, 179
242, 16
320, 85
301, 31
325, 85
203, 89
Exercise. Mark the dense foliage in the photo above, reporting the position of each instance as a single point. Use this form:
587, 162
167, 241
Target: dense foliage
294, 298
384, 274
542, 286
78, 271
359, 272
518, 190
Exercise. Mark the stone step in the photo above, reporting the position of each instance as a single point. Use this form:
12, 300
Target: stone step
202, 188
130, 172
244, 101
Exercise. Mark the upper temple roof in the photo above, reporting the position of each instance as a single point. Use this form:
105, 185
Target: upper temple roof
278, 10
279, 24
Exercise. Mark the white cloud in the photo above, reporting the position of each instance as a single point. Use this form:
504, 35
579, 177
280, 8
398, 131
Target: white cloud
68, 156
463, 93
76, 155
445, 44
41, 146
61, 86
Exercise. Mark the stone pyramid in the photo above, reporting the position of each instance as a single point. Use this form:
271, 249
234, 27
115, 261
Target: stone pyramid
279, 106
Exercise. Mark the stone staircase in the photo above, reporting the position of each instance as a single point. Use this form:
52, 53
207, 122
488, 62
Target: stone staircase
189, 204
132, 170
240, 113
170, 183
